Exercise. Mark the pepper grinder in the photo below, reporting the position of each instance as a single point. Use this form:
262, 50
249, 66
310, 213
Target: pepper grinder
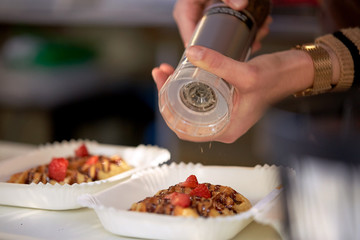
198, 103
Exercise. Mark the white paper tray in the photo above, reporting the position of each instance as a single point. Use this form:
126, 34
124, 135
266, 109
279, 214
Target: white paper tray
61, 197
111, 205
83, 224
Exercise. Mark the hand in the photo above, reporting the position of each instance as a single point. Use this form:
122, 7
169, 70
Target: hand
258, 83
187, 14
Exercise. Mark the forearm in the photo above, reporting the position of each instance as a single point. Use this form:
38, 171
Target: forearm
282, 74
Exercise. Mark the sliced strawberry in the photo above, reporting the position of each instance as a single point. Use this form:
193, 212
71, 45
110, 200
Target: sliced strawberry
92, 160
179, 199
201, 191
82, 151
191, 182
57, 169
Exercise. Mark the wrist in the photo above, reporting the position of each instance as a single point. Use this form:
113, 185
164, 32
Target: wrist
291, 71
322, 69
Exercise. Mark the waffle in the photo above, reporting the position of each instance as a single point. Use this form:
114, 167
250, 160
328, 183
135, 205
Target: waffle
39, 174
79, 170
222, 201
106, 167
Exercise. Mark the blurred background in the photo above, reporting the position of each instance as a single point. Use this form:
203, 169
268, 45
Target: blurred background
82, 69
73, 69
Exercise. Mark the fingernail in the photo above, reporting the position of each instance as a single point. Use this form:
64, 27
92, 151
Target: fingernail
195, 53
238, 4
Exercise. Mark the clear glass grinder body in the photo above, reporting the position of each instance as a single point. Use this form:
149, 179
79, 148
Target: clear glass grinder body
198, 103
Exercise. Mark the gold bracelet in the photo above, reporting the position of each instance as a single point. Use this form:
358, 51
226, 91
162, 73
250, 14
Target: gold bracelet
322, 70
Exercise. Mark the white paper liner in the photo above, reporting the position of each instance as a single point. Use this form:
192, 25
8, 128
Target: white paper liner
273, 215
111, 205
62, 197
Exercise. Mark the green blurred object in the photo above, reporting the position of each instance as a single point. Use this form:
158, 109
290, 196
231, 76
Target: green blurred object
28, 51
53, 54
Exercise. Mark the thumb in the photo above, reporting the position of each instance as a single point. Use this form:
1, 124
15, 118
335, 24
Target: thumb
216, 63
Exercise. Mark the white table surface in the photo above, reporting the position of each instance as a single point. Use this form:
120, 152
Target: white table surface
30, 224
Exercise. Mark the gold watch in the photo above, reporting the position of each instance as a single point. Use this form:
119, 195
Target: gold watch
322, 70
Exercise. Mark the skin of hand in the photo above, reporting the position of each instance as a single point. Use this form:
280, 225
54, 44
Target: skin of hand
257, 83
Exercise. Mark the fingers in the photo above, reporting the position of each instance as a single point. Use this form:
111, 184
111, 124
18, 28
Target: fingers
187, 13
264, 30
260, 35
216, 63
161, 74
166, 68
236, 4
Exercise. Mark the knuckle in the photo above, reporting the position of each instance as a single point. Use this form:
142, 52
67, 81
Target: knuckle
214, 63
251, 74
